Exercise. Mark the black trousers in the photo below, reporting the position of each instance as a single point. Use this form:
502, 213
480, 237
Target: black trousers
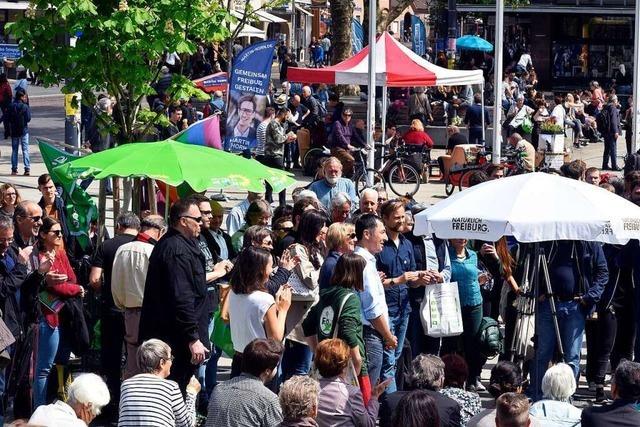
112, 340
275, 162
626, 333
601, 334
181, 369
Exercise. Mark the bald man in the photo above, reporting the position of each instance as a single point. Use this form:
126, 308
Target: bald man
369, 201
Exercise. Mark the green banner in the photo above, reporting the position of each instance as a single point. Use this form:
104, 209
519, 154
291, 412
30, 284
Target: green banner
79, 207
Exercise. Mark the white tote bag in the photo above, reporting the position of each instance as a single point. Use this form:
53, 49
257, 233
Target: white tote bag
440, 310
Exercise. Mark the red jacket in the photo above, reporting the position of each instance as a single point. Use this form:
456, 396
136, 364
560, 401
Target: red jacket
418, 137
62, 290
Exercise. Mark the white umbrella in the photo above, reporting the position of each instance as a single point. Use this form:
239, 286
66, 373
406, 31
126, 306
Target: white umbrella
533, 207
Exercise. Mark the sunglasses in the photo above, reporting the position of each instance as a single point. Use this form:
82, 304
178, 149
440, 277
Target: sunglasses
352, 236
34, 218
197, 219
56, 232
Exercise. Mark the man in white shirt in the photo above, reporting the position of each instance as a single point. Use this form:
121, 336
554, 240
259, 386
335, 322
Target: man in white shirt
235, 219
525, 63
128, 277
371, 236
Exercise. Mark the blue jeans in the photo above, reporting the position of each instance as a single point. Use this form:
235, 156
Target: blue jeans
296, 359
48, 341
208, 372
398, 324
16, 143
374, 346
571, 321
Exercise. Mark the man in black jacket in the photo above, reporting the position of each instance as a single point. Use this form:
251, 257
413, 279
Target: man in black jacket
427, 373
175, 305
611, 131
625, 388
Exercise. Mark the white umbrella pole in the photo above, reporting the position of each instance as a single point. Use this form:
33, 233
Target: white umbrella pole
371, 99
166, 202
636, 78
482, 113
497, 87
385, 101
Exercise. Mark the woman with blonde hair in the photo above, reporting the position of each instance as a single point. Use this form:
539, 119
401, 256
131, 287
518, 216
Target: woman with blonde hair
416, 136
9, 199
341, 239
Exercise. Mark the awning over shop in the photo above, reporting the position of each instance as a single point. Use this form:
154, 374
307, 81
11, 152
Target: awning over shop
303, 10
268, 17
8, 5
249, 31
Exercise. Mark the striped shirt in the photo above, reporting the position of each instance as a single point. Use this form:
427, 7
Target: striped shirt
148, 400
261, 137
243, 402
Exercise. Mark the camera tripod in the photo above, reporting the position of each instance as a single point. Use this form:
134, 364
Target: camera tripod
535, 275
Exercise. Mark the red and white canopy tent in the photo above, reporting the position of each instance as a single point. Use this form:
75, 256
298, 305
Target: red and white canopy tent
396, 66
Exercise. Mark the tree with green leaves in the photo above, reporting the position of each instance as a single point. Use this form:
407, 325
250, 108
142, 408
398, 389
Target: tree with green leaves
119, 49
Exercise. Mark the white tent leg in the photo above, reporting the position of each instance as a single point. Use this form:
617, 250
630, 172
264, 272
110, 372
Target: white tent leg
385, 101
497, 87
371, 99
482, 113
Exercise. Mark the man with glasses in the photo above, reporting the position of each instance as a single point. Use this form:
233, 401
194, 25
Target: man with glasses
28, 219
245, 126
216, 269
175, 307
344, 136
52, 205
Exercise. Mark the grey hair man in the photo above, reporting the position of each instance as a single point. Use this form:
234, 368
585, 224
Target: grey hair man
86, 397
27, 218
340, 207
558, 385
130, 266
427, 373
299, 400
369, 201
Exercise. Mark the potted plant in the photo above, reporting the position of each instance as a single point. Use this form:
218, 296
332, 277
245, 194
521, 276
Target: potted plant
552, 135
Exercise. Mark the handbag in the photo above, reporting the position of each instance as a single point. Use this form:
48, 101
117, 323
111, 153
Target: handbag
351, 375
527, 125
221, 335
299, 290
440, 310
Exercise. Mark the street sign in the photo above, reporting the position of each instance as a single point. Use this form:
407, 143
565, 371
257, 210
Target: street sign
10, 51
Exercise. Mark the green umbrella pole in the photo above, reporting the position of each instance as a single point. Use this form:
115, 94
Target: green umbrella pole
166, 202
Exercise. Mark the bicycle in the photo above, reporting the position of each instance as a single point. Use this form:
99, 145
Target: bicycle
364, 177
401, 175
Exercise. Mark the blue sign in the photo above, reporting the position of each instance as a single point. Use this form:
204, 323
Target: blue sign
10, 51
418, 36
248, 87
357, 36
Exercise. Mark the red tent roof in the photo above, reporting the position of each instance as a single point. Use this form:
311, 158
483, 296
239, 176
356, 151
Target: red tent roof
396, 66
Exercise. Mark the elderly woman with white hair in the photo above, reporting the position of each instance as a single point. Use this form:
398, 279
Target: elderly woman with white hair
558, 385
299, 401
87, 395
150, 398
340, 207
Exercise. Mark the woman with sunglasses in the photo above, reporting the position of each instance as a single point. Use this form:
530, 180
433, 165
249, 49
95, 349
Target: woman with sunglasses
9, 199
58, 287
341, 239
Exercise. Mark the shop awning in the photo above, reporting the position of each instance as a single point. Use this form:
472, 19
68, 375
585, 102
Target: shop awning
303, 11
8, 5
249, 31
267, 17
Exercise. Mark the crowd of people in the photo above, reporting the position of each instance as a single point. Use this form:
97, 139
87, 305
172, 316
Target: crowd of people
319, 306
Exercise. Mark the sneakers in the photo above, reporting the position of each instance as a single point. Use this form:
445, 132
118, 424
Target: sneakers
14, 172
27, 172
601, 395
479, 386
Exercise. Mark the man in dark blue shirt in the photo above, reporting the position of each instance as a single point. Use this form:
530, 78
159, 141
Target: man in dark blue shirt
473, 119
397, 262
578, 274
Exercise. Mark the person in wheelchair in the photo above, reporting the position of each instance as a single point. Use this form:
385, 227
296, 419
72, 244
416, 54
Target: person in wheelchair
416, 139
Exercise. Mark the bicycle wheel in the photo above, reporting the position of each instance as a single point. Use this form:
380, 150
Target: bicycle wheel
310, 163
449, 187
464, 180
362, 180
404, 179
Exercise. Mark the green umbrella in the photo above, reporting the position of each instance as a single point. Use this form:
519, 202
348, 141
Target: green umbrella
175, 163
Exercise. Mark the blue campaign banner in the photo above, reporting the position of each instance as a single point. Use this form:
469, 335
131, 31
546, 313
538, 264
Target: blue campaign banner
10, 51
418, 36
248, 87
357, 36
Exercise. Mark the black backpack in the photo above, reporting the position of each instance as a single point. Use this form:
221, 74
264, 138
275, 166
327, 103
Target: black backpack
632, 163
490, 338
603, 120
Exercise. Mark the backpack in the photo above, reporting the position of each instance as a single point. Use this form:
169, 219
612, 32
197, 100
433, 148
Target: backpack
490, 338
632, 163
322, 110
603, 120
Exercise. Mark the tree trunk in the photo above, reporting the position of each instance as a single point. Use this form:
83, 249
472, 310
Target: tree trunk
341, 14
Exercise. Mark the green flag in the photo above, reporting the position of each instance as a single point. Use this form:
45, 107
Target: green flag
79, 207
